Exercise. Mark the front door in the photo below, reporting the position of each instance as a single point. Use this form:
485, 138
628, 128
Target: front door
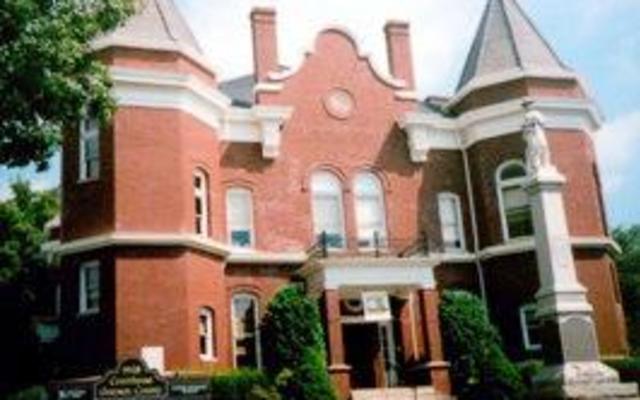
370, 351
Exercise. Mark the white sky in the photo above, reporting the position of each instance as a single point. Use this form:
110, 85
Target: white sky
441, 34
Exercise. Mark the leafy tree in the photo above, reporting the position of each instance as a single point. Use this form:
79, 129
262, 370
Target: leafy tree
48, 76
628, 263
479, 367
294, 348
22, 221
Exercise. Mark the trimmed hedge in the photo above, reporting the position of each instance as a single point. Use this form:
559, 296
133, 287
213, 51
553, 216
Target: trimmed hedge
479, 367
629, 368
242, 384
294, 348
32, 393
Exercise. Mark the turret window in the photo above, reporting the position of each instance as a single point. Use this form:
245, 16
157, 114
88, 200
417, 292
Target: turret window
201, 204
515, 210
246, 334
89, 149
451, 225
89, 288
206, 333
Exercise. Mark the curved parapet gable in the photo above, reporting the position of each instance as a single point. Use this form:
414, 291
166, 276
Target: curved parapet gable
334, 37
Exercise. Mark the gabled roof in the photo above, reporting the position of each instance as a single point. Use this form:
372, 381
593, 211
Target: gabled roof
158, 25
507, 40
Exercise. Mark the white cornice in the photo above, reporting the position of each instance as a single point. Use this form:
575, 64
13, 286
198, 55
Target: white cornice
427, 131
508, 76
525, 245
146, 88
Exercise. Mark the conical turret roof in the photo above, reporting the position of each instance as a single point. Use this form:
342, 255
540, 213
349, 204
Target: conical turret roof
508, 41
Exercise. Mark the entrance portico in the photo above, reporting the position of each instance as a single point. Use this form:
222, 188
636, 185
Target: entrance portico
382, 325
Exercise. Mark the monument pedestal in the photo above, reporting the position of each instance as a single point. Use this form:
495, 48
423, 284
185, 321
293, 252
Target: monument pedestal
570, 345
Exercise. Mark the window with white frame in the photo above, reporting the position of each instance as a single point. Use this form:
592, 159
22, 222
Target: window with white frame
515, 210
201, 204
206, 324
240, 217
451, 224
89, 149
246, 334
370, 211
531, 328
89, 288
328, 216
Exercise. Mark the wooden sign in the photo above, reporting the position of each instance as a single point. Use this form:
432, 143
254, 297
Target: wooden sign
132, 379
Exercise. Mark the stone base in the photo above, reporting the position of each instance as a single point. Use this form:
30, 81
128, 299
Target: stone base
582, 380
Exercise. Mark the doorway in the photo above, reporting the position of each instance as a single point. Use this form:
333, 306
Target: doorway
370, 351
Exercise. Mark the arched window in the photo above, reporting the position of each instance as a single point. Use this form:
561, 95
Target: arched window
451, 224
201, 204
240, 217
370, 211
246, 334
328, 216
206, 324
515, 210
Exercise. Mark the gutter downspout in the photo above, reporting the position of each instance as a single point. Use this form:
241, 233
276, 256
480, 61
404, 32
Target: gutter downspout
474, 222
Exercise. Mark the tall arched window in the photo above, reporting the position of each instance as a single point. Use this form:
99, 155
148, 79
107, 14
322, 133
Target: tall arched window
240, 217
89, 147
451, 224
201, 204
246, 335
328, 216
370, 211
515, 210
206, 324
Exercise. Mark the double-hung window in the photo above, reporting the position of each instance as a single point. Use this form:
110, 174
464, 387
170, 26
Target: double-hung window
206, 333
451, 224
531, 328
89, 288
515, 210
240, 217
370, 211
89, 149
201, 204
246, 333
328, 217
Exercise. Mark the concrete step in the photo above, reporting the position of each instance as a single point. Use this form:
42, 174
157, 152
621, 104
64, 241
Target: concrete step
399, 393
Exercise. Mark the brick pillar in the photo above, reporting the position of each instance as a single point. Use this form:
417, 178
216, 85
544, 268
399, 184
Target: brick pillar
339, 371
437, 366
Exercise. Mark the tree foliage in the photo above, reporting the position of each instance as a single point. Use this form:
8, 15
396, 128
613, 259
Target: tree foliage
294, 348
48, 76
628, 263
479, 367
22, 233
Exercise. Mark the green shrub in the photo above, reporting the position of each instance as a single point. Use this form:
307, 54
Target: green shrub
241, 384
629, 368
527, 370
32, 393
479, 367
294, 349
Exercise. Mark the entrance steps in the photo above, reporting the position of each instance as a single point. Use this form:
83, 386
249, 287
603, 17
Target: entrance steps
399, 393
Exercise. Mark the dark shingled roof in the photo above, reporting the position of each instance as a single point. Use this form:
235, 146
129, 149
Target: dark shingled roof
506, 40
239, 90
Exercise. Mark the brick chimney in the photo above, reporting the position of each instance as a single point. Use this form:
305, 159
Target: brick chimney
399, 51
265, 42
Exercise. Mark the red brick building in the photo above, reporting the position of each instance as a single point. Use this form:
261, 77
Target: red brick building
201, 199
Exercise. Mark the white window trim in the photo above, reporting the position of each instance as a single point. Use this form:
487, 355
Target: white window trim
501, 185
203, 194
82, 167
458, 210
524, 327
249, 194
380, 198
257, 335
210, 346
82, 287
340, 196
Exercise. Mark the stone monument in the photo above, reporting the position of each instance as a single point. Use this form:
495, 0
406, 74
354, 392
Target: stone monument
572, 359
